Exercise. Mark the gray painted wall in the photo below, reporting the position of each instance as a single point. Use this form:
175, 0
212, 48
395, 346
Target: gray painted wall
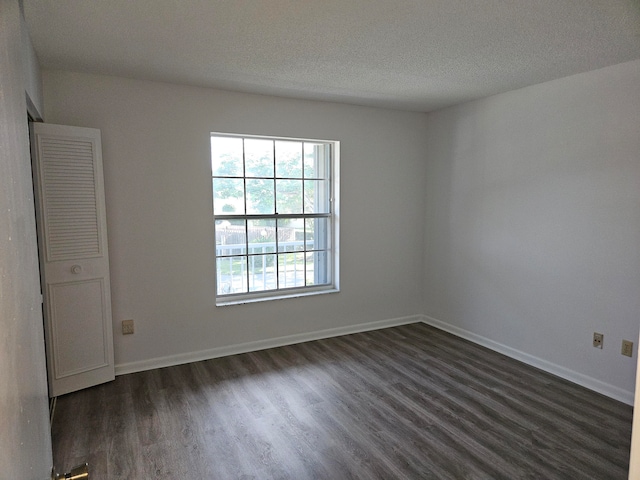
512, 218
157, 170
533, 220
32, 74
25, 441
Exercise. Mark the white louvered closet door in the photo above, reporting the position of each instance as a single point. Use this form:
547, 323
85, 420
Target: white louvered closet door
74, 258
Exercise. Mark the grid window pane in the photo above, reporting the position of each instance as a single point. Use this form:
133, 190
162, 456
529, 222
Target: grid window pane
262, 236
289, 196
258, 157
262, 273
316, 160
226, 157
317, 268
232, 275
290, 234
288, 159
291, 270
228, 196
260, 196
316, 196
231, 237
273, 214
317, 234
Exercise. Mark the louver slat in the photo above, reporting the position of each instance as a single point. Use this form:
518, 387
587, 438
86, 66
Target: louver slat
70, 208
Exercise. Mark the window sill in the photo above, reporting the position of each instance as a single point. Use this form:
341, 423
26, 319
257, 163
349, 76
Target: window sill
271, 296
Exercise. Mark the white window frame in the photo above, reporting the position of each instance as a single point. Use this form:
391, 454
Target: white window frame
333, 249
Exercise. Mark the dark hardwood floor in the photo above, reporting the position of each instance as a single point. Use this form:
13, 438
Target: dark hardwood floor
408, 402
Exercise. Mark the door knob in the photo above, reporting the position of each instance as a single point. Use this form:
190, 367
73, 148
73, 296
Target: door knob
76, 269
81, 472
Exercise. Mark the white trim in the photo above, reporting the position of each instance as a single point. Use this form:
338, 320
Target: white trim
558, 370
296, 293
181, 358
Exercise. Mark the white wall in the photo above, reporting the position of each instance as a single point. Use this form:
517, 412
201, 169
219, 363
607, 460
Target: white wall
25, 441
533, 223
155, 141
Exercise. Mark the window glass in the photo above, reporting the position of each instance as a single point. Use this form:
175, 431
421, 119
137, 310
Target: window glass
274, 216
258, 155
288, 159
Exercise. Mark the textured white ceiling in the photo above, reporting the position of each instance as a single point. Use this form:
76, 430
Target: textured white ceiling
408, 54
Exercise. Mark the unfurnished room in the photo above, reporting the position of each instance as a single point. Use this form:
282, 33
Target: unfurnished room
274, 239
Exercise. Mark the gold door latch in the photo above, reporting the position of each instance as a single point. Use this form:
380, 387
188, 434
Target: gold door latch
81, 472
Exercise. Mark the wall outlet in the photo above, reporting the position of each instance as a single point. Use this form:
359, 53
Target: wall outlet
127, 327
627, 348
597, 339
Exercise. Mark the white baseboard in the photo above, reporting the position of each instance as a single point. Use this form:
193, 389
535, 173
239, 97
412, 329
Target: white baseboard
179, 359
573, 376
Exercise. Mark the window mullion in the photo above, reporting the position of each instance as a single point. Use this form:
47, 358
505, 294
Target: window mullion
247, 270
244, 178
275, 209
304, 249
275, 193
304, 222
246, 224
272, 216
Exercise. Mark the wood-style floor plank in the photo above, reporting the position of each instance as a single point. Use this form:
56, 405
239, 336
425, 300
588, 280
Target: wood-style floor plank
409, 402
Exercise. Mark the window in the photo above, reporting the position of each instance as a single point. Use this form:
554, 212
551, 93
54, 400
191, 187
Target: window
274, 203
